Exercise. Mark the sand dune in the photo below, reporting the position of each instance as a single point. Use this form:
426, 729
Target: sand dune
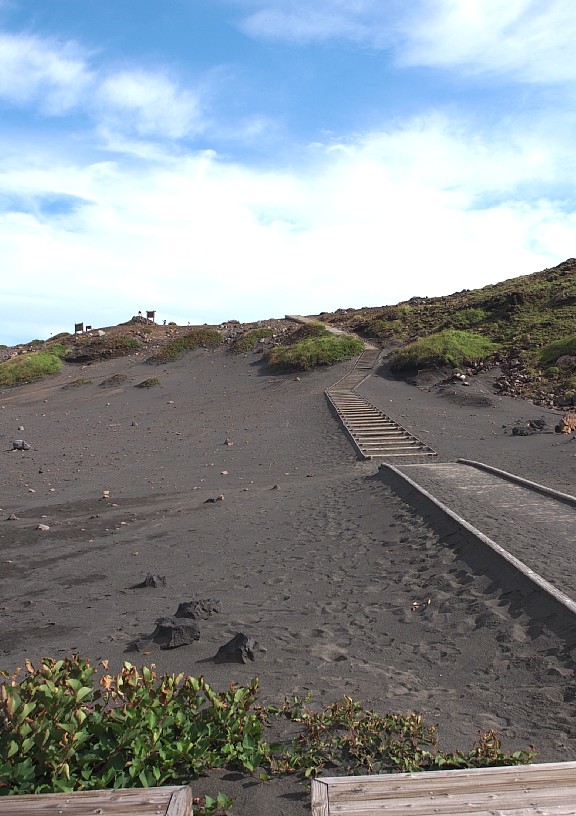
308, 551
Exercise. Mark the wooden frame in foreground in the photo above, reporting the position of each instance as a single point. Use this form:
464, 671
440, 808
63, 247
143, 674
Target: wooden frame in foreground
166, 801
543, 790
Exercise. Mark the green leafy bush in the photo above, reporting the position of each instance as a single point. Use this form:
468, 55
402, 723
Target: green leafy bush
64, 727
62, 731
355, 740
448, 348
204, 337
314, 351
26, 367
248, 341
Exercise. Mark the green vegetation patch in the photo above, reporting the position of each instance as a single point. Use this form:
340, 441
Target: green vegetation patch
314, 351
447, 348
565, 346
248, 341
196, 338
68, 727
26, 367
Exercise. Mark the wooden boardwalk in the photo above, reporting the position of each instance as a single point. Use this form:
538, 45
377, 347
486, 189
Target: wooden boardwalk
528, 790
165, 801
517, 515
375, 435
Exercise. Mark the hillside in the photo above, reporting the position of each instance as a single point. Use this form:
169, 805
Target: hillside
531, 320
525, 327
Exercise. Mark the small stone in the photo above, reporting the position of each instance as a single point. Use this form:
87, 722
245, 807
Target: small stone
12, 517
154, 581
42, 527
20, 444
224, 473
20, 427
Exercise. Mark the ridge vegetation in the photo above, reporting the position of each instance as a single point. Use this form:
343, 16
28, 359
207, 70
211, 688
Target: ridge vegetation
527, 323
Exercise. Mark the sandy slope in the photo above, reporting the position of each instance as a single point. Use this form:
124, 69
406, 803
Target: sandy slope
308, 551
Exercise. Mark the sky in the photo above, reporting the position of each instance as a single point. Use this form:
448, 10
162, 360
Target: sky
246, 159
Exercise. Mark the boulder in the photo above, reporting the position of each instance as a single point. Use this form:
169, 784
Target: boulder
20, 444
199, 610
240, 649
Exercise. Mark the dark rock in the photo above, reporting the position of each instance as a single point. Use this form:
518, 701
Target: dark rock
170, 633
114, 381
240, 649
199, 610
20, 444
153, 581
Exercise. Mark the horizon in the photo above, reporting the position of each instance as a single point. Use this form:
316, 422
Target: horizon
230, 159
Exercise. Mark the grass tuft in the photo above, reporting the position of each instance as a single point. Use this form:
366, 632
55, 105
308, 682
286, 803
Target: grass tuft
447, 348
314, 351
248, 341
196, 338
27, 367
565, 346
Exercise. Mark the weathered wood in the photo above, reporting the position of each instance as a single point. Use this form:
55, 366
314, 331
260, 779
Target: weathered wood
543, 789
180, 802
166, 801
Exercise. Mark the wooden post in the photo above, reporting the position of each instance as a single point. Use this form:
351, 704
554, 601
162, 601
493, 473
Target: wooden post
78, 327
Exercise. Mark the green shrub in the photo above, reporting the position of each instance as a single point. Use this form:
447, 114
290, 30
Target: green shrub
314, 351
26, 367
204, 337
56, 348
64, 731
355, 740
551, 352
65, 727
248, 341
307, 330
447, 348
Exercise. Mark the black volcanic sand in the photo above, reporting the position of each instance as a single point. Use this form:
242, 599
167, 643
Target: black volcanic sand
308, 551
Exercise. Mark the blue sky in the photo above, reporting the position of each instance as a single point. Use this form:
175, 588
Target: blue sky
244, 159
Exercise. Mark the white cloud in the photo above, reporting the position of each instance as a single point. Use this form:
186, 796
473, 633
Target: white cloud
374, 221
295, 20
59, 78
525, 40
149, 104
34, 70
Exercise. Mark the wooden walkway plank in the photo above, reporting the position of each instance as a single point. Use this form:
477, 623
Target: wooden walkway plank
359, 417
530, 790
164, 801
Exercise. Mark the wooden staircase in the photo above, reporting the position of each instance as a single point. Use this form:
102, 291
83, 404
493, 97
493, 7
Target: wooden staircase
374, 434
